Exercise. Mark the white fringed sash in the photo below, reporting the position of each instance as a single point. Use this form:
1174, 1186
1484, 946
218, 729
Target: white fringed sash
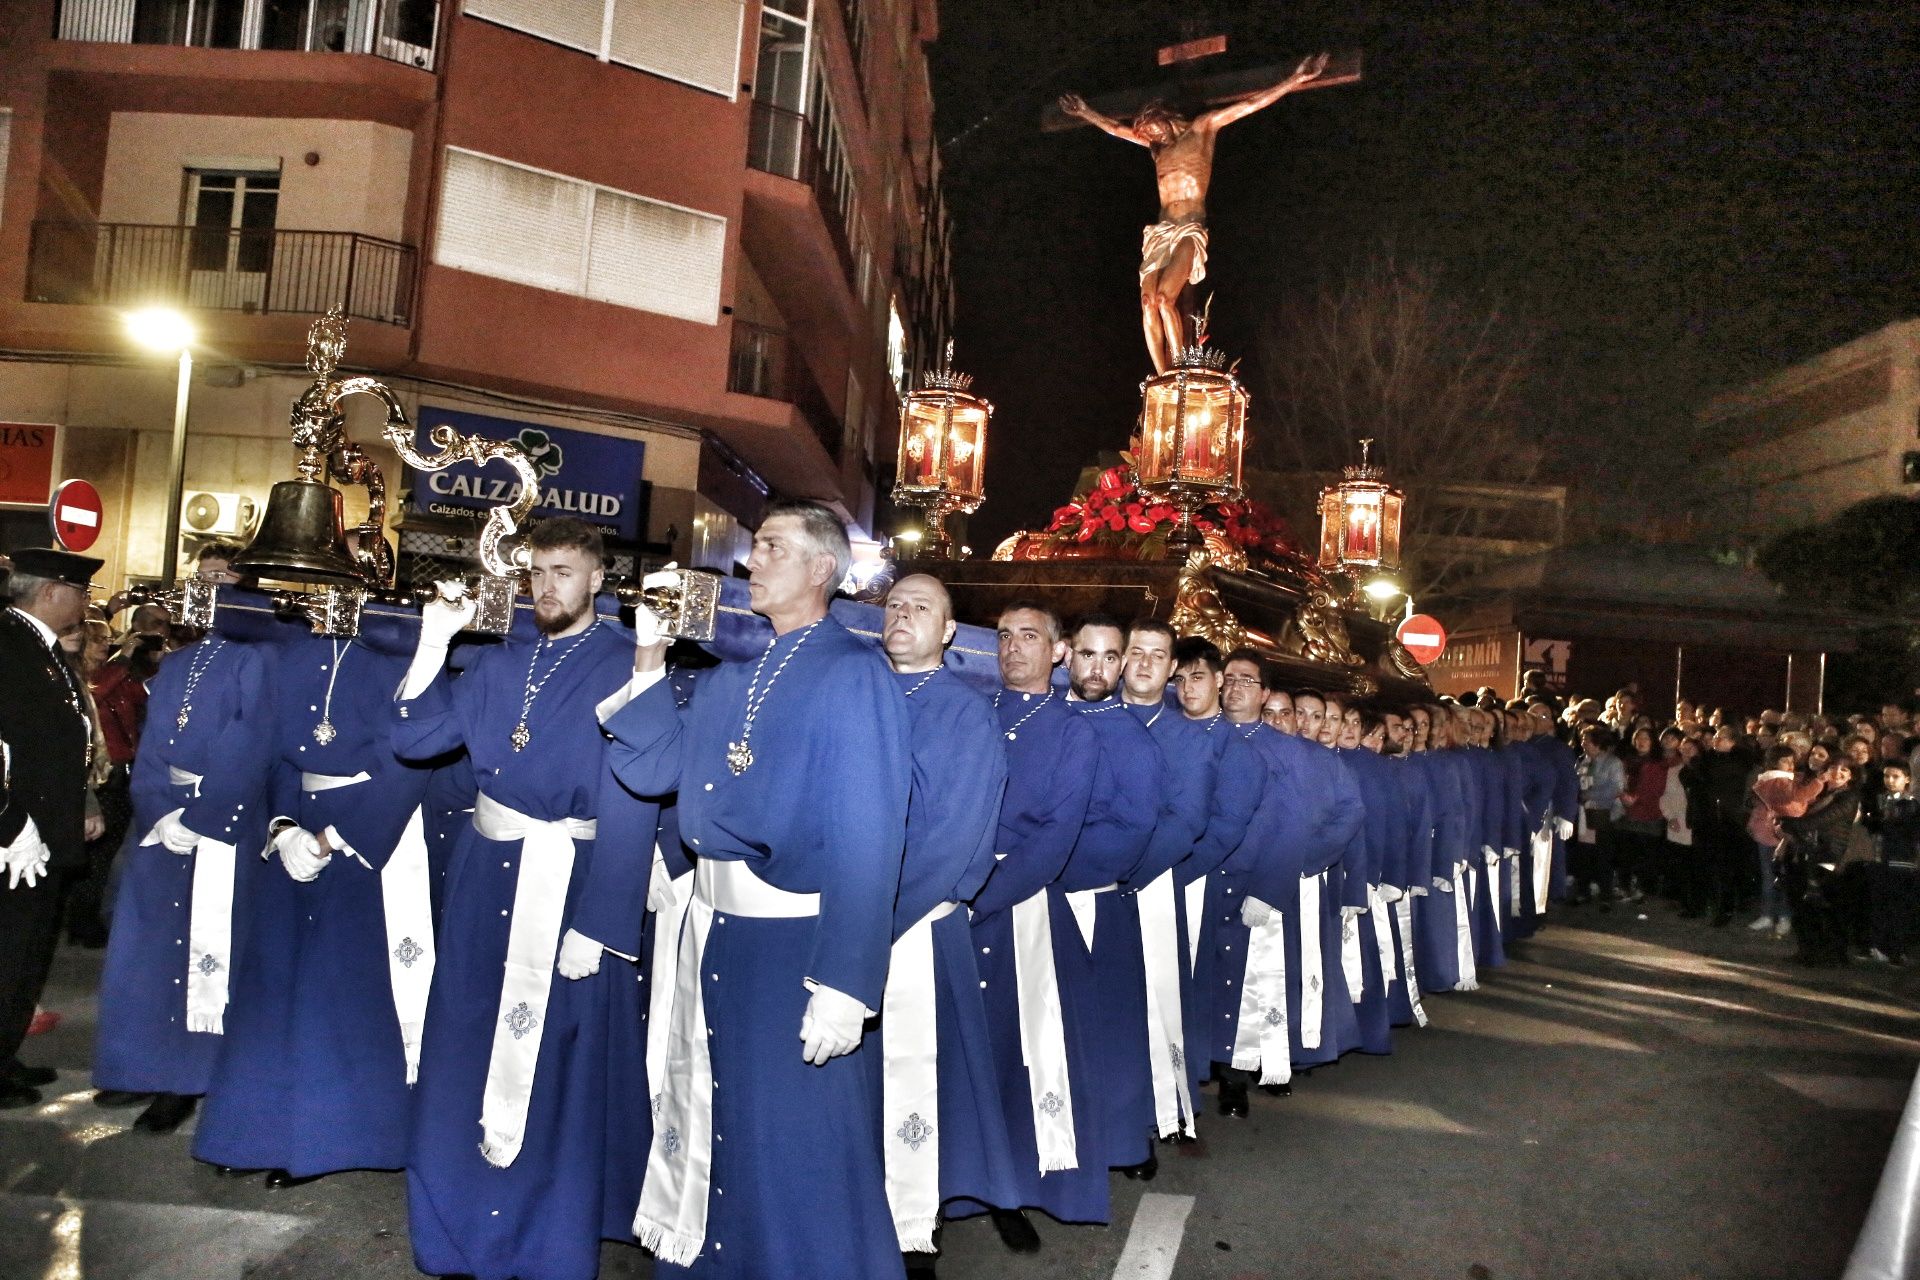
1043, 1035
406, 900
1166, 1053
533, 940
1351, 967
672, 1217
1403, 916
1377, 910
1542, 847
209, 921
1313, 980
910, 1085
1463, 928
1260, 1040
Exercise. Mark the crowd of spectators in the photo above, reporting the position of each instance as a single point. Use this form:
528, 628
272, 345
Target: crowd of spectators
1809, 820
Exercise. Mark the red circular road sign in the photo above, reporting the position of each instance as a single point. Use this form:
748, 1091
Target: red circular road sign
1423, 637
75, 513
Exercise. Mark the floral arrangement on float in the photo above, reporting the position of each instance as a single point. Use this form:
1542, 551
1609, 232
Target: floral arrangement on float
1115, 520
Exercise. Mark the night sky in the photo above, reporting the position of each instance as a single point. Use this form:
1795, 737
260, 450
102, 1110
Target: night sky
1671, 207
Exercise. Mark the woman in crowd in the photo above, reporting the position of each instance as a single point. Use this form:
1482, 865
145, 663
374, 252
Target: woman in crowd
1603, 780
1641, 829
1816, 844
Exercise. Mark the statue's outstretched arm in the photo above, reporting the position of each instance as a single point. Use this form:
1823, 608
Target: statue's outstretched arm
1072, 104
1309, 69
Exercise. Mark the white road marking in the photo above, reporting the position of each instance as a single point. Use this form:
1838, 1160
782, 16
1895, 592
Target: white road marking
1846, 1093
1153, 1242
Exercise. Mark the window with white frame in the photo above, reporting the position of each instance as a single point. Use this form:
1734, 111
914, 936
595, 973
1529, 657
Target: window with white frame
512, 222
696, 42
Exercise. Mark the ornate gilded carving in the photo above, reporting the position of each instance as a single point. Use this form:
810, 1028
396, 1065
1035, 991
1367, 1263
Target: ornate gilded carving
1198, 609
1321, 631
1403, 663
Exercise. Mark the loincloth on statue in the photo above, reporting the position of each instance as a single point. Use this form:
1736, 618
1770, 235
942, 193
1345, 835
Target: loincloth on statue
1159, 241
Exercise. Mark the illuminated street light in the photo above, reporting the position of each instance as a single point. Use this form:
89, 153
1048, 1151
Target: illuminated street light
1382, 589
164, 330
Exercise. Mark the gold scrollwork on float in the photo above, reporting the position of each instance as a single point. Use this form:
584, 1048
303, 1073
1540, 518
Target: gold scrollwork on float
1198, 609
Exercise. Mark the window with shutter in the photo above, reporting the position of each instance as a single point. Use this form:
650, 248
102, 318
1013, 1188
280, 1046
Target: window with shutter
656, 257
505, 220
579, 23
514, 223
694, 41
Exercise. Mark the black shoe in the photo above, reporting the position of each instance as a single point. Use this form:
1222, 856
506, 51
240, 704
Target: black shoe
228, 1171
91, 937
167, 1112
280, 1179
1015, 1231
32, 1077
1233, 1099
14, 1096
1144, 1171
1277, 1090
118, 1098
920, 1264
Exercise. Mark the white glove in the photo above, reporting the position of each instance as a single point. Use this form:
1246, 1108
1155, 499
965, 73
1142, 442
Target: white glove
1254, 913
579, 955
831, 1026
442, 619
648, 629
659, 884
1566, 829
301, 854
176, 835
27, 857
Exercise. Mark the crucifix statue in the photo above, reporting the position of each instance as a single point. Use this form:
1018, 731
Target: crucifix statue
1173, 251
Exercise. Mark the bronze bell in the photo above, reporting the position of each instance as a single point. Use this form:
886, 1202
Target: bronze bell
302, 536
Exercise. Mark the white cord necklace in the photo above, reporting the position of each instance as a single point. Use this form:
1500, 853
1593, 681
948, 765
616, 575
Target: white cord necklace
201, 662
1014, 732
740, 754
521, 735
924, 683
324, 732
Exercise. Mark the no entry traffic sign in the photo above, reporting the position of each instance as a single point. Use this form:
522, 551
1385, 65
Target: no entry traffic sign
74, 512
1423, 637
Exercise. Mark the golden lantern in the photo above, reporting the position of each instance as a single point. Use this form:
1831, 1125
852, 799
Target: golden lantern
1360, 521
943, 452
1193, 427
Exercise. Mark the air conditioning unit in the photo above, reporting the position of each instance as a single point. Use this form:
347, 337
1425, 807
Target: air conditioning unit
217, 514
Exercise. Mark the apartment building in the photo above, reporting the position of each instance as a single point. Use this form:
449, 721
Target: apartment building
688, 250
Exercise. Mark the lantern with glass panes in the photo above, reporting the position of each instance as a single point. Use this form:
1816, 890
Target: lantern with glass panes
1360, 522
943, 452
1193, 426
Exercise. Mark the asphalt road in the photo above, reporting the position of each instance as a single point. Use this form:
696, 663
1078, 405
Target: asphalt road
1628, 1099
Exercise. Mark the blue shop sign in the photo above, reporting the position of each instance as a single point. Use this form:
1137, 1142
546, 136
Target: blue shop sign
591, 477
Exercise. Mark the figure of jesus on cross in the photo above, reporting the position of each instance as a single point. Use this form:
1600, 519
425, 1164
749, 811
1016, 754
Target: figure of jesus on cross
1173, 251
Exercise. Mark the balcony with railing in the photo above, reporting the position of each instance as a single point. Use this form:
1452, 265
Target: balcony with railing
398, 30
259, 271
764, 364
782, 143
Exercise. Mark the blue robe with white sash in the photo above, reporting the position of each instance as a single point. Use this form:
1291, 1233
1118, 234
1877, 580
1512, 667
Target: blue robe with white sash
1435, 936
959, 777
1489, 907
576, 1176
143, 1044
1375, 848
798, 1181
1239, 777
1311, 813
1412, 875
312, 1077
1050, 751
1109, 979
1221, 968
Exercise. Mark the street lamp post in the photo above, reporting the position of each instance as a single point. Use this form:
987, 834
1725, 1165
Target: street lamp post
163, 329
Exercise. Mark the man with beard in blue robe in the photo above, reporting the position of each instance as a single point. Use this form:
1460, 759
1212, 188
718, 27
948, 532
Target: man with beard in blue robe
794, 774
314, 1072
942, 1120
1189, 784
1053, 1125
199, 789
1095, 902
1238, 776
529, 1114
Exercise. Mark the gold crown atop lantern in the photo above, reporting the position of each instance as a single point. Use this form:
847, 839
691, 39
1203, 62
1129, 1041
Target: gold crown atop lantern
946, 378
1365, 470
1199, 355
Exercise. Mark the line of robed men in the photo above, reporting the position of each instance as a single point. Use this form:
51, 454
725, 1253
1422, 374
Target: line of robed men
776, 965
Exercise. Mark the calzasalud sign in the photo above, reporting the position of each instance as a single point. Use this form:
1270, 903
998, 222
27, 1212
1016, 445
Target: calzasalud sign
590, 477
